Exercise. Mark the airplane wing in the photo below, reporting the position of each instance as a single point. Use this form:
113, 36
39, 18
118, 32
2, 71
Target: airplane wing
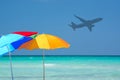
80, 18
90, 29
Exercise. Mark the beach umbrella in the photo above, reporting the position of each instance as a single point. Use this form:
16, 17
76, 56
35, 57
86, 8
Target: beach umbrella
9, 38
45, 42
25, 33
11, 42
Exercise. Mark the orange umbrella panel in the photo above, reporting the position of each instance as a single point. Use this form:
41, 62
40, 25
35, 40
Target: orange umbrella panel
45, 41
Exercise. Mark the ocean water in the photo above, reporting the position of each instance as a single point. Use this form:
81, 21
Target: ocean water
61, 68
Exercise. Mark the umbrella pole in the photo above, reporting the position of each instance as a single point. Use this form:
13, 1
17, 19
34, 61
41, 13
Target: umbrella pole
43, 65
10, 63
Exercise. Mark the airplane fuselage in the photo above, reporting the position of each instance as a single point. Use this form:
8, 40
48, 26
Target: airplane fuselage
85, 23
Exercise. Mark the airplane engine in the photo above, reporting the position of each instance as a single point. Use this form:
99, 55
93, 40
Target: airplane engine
92, 25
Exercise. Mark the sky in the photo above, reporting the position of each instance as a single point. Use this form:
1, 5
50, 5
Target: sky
53, 17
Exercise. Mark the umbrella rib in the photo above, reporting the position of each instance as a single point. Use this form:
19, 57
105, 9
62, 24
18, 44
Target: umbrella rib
36, 42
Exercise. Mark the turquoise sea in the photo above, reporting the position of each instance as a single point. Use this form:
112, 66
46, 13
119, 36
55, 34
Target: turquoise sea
61, 68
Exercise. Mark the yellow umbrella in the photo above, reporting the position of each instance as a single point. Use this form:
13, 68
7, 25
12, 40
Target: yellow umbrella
45, 41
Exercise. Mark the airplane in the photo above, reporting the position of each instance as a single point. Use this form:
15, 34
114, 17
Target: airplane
85, 23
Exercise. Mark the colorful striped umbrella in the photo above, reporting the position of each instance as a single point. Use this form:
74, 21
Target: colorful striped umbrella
12, 41
45, 41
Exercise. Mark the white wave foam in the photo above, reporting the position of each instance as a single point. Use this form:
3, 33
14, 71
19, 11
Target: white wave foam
49, 65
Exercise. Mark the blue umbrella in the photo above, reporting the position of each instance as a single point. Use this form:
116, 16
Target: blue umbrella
4, 49
12, 46
7, 39
11, 42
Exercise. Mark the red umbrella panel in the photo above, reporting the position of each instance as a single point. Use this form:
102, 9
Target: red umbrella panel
25, 33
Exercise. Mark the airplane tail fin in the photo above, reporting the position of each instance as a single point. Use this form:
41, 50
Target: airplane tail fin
73, 25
